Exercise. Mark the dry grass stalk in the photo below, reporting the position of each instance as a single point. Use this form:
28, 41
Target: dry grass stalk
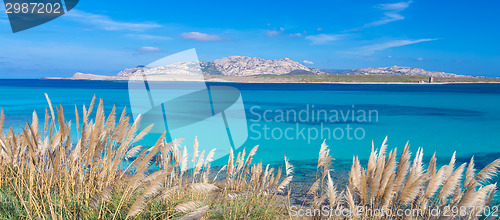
404, 184
47, 176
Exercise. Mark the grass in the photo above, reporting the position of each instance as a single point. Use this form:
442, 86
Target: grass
43, 175
389, 183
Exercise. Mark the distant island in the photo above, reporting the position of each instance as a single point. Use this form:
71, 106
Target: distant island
258, 70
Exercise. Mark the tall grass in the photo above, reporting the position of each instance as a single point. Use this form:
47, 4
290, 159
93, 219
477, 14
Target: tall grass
43, 175
453, 191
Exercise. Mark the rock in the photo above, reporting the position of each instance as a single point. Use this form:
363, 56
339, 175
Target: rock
252, 66
229, 66
247, 66
397, 70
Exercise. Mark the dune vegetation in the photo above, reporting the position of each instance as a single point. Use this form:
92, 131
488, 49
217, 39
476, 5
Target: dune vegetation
388, 184
44, 174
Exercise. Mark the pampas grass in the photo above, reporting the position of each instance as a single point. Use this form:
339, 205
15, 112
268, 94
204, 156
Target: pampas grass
405, 184
105, 174
44, 174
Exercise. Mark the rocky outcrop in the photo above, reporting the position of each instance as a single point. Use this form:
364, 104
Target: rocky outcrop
228, 66
139, 70
252, 66
86, 76
397, 70
248, 66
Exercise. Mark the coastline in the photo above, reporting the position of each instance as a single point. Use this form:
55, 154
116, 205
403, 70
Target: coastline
298, 79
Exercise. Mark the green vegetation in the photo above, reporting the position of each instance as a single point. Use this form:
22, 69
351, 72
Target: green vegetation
377, 78
351, 79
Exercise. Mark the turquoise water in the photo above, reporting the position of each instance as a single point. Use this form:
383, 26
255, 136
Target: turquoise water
439, 118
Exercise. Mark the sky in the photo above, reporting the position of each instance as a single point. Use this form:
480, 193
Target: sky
104, 37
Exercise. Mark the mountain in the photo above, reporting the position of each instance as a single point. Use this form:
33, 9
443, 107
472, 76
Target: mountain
246, 66
397, 70
228, 66
234, 66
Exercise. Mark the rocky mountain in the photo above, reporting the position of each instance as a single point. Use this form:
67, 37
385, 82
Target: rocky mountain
250, 66
229, 66
136, 71
246, 66
397, 70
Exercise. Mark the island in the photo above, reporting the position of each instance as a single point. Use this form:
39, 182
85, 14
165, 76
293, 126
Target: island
243, 69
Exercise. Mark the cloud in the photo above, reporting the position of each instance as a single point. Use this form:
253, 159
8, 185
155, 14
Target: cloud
399, 6
427, 59
270, 33
148, 49
197, 36
105, 23
296, 35
391, 13
148, 37
371, 49
308, 62
324, 38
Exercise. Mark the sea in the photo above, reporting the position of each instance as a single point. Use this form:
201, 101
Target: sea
293, 120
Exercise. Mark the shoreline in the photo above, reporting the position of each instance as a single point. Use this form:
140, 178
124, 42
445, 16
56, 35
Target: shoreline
302, 79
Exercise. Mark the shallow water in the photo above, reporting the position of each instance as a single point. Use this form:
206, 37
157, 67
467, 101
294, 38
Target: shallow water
438, 118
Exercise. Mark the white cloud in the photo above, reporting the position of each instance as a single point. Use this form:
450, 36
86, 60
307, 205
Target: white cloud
148, 37
399, 6
148, 49
296, 35
197, 36
324, 38
105, 23
391, 12
420, 59
308, 62
270, 33
371, 49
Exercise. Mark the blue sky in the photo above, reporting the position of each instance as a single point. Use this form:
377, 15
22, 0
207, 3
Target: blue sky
103, 37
